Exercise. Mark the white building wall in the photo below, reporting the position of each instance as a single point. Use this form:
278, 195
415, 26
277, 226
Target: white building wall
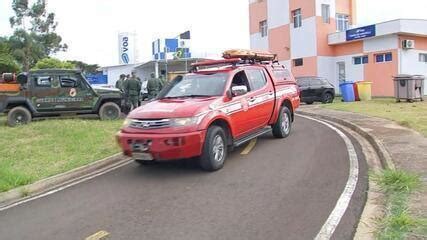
354, 73
113, 73
410, 64
382, 43
278, 13
258, 42
332, 8
303, 39
326, 69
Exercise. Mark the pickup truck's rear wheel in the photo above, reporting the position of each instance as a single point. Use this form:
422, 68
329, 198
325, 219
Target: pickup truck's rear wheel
282, 128
109, 111
214, 149
18, 116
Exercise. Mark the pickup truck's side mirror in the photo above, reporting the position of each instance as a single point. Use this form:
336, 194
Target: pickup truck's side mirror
238, 90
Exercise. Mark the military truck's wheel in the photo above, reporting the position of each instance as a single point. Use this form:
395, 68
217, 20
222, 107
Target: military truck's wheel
109, 111
18, 116
282, 128
214, 149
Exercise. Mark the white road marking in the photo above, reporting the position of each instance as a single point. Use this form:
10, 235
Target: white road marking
343, 202
98, 236
91, 176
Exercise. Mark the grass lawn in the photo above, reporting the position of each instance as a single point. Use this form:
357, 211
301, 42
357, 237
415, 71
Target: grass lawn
413, 115
398, 222
46, 148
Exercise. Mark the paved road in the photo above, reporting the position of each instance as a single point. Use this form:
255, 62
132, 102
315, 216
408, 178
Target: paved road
283, 189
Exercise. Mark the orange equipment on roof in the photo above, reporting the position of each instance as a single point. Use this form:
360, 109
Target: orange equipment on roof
249, 55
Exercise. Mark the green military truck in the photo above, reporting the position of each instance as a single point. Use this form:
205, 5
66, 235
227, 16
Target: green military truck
51, 92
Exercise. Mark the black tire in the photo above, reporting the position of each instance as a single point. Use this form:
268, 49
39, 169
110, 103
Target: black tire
109, 111
327, 98
282, 128
18, 116
309, 102
214, 149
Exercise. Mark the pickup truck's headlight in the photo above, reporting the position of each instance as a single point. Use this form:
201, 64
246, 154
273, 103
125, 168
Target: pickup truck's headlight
126, 123
181, 122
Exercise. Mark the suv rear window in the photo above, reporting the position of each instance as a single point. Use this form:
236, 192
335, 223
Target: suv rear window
303, 82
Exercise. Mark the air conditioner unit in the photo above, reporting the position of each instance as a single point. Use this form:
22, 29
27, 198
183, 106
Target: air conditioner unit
408, 44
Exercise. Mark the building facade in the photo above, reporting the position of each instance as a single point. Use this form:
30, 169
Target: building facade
320, 38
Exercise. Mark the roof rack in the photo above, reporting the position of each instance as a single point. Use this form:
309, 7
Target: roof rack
238, 57
251, 55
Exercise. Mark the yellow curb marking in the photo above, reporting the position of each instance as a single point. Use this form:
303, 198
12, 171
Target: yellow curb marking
249, 148
98, 236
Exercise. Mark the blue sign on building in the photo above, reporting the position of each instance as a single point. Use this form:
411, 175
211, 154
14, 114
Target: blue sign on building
98, 78
362, 32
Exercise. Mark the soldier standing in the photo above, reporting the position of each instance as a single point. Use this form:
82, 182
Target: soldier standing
132, 88
120, 82
154, 85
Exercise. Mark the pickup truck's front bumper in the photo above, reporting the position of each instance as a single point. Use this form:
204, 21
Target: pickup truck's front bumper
164, 146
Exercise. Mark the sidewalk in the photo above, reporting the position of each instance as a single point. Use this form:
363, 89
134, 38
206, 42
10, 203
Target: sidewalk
407, 148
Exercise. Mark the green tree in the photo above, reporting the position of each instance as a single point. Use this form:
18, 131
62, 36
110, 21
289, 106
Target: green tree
34, 37
7, 62
53, 63
84, 67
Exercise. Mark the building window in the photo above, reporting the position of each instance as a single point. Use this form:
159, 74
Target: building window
263, 28
326, 13
297, 17
423, 57
342, 22
360, 60
383, 57
298, 62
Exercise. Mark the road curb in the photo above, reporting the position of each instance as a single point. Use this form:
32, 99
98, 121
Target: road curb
28, 191
383, 154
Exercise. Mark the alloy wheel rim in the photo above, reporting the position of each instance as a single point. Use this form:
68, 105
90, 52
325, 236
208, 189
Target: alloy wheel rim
285, 122
218, 148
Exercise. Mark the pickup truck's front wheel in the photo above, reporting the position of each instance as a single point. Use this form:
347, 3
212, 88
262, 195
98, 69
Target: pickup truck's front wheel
214, 149
109, 111
18, 116
282, 128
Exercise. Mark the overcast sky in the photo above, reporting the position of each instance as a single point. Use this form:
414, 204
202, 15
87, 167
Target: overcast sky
90, 27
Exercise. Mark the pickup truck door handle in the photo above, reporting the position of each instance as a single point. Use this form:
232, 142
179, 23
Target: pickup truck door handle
252, 99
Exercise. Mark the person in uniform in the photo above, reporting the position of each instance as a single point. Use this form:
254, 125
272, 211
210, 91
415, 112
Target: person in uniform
120, 82
154, 85
132, 87
163, 80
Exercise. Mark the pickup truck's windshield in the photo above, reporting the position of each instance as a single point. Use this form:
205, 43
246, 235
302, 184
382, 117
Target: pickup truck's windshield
196, 86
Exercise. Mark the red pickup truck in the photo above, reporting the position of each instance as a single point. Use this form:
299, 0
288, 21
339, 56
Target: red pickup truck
220, 105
